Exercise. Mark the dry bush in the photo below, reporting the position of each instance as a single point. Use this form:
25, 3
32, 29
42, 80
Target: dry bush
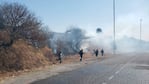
47, 52
23, 56
4, 37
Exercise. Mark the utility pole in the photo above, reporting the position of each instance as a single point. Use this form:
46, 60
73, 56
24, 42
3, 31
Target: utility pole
140, 30
114, 42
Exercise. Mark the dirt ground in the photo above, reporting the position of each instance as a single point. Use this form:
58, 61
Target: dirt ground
68, 63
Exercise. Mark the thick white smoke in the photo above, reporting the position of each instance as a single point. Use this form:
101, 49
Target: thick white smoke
68, 42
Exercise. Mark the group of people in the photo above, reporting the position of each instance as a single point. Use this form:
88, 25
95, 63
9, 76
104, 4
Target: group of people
96, 52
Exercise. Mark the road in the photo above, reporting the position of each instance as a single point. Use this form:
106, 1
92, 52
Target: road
119, 69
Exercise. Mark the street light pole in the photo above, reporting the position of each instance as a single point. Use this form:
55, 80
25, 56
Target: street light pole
140, 29
114, 43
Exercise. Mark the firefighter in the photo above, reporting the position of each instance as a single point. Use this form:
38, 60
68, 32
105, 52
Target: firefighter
96, 52
102, 52
60, 56
81, 54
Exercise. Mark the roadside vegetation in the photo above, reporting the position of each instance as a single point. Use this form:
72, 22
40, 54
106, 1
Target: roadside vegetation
23, 41
26, 43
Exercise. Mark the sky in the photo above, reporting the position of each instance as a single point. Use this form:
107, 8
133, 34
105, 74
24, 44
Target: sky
60, 15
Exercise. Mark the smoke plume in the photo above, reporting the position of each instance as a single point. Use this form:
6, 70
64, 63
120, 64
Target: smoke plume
68, 42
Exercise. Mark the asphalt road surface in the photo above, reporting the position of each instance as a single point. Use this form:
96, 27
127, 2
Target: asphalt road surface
119, 69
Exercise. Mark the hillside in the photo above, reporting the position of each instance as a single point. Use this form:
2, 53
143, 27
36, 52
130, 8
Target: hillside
22, 55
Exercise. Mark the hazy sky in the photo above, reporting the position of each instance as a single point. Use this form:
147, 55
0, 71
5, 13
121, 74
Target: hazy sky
59, 15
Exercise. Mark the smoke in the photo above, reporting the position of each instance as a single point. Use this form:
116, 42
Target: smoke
124, 43
130, 44
68, 42
74, 39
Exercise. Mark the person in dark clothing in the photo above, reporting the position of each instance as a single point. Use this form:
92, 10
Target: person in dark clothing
60, 56
81, 54
96, 52
102, 52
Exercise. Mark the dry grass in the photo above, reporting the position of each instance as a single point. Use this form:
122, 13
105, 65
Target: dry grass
4, 37
22, 57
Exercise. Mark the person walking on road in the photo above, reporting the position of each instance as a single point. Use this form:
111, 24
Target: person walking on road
96, 52
102, 52
81, 54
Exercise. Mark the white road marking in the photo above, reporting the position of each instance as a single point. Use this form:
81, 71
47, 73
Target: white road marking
118, 71
111, 77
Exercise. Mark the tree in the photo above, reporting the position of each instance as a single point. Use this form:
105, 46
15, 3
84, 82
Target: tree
98, 30
19, 22
74, 37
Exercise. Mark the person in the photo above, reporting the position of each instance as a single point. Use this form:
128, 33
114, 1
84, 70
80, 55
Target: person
96, 52
60, 56
102, 52
81, 54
